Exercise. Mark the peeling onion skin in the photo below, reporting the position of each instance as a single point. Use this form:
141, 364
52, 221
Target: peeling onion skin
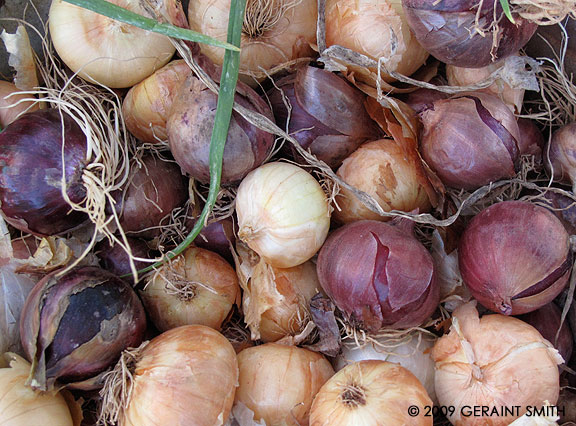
378, 275
443, 29
9, 111
515, 257
111, 315
31, 171
561, 155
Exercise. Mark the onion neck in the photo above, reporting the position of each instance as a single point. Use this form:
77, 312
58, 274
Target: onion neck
353, 396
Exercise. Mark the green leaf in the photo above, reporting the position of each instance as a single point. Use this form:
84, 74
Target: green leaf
118, 13
506, 9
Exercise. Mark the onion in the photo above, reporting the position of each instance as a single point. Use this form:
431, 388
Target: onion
470, 140
218, 236
531, 140
109, 311
422, 99
497, 361
515, 257
327, 114
377, 29
457, 33
196, 287
115, 258
104, 50
33, 162
185, 376
279, 382
12, 104
563, 206
273, 31
379, 275
146, 106
560, 156
190, 128
283, 214
371, 392
389, 171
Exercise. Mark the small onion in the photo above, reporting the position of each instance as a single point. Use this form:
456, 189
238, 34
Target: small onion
109, 311
371, 393
196, 287
515, 257
12, 104
283, 214
146, 106
494, 361
279, 382
470, 140
379, 275
531, 140
446, 29
391, 173
561, 155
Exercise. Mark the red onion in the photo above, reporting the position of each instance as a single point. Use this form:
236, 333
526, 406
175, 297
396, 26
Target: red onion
561, 154
446, 29
422, 99
31, 157
515, 257
379, 275
531, 140
75, 326
217, 237
327, 115
563, 207
470, 140
115, 258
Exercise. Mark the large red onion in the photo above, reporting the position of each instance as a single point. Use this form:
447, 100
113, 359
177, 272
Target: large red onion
31, 155
379, 275
561, 154
75, 326
446, 30
515, 257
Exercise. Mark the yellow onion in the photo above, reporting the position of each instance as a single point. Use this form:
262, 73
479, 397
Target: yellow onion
494, 361
283, 214
390, 172
146, 106
371, 393
375, 28
273, 32
197, 287
20, 405
106, 51
186, 376
560, 155
12, 104
279, 382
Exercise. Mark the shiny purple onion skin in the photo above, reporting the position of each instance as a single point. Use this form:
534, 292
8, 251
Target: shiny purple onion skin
515, 257
379, 275
31, 171
115, 259
443, 28
75, 326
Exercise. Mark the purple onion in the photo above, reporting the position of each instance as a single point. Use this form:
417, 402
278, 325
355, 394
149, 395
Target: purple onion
217, 237
561, 154
563, 207
531, 140
115, 259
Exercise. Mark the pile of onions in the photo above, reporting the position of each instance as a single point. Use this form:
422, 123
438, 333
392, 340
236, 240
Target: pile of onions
111, 317
379, 275
560, 155
515, 257
12, 104
279, 382
371, 392
283, 214
389, 171
470, 140
196, 287
494, 361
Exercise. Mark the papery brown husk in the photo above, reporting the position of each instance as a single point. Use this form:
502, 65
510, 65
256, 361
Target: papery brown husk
9, 97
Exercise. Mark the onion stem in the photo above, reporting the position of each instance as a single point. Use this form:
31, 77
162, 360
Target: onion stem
506, 9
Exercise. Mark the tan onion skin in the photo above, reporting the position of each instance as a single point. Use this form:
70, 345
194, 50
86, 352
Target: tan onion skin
560, 159
146, 106
213, 296
9, 111
489, 363
187, 376
392, 174
279, 382
371, 393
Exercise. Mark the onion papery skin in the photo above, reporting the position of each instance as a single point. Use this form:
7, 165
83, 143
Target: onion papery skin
515, 257
109, 311
378, 275
371, 392
9, 111
31, 172
327, 115
470, 140
561, 155
444, 29
279, 382
186, 376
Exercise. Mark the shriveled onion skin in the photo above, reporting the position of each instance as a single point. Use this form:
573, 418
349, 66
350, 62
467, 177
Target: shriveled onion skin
31, 171
560, 155
378, 275
109, 312
515, 257
187, 376
444, 28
